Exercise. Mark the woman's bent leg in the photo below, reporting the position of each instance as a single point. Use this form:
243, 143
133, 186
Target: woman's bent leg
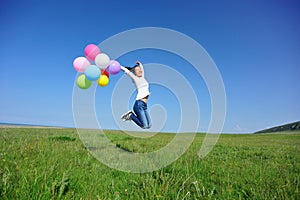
141, 117
136, 120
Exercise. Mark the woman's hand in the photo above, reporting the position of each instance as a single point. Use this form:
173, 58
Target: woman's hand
123, 68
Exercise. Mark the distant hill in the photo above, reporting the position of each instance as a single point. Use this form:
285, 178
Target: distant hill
286, 127
15, 125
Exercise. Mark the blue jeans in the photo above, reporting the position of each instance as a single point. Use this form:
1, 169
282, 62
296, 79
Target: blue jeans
140, 115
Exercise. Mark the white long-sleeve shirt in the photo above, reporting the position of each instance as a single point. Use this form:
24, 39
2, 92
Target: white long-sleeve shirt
141, 83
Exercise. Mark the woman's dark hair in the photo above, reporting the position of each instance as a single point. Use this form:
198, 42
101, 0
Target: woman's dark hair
129, 68
132, 68
136, 65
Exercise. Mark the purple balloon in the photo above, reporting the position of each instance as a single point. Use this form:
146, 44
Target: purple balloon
114, 67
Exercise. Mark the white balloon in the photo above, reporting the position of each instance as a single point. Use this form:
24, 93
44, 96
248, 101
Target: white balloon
102, 60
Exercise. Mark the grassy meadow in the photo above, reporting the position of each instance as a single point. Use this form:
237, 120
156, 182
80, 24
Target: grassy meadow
48, 163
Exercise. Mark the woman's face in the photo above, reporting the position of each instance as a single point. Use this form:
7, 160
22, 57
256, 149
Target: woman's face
138, 71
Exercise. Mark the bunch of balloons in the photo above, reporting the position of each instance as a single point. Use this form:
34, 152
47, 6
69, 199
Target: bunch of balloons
95, 66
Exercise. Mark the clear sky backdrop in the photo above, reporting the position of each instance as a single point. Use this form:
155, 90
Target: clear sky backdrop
255, 44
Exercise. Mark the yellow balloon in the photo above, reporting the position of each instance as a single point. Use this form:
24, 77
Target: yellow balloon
103, 80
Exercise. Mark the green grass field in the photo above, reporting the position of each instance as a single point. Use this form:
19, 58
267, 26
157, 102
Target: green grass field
37, 163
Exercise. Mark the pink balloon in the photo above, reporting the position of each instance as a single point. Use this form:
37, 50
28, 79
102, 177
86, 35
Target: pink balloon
91, 51
80, 64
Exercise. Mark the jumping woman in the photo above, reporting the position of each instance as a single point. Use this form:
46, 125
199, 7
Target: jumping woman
140, 114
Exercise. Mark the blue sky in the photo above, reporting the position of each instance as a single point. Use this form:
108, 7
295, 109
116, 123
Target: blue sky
255, 45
